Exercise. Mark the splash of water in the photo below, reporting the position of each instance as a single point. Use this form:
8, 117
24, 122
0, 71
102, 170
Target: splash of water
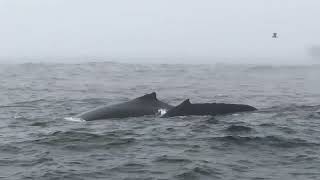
74, 119
161, 112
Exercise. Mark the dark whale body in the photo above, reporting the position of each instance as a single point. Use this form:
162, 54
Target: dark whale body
186, 108
141, 106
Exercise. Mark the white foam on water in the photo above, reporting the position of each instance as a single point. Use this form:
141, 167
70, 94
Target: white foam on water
162, 111
17, 117
74, 119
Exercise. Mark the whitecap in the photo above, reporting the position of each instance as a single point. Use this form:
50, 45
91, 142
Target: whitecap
74, 119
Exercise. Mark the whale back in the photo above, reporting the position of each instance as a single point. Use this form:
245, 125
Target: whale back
144, 105
186, 108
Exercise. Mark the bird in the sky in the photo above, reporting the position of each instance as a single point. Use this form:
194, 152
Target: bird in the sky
274, 35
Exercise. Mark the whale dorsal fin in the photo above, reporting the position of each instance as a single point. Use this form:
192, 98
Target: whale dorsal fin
151, 96
180, 109
186, 102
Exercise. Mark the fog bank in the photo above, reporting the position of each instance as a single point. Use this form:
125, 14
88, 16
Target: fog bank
146, 30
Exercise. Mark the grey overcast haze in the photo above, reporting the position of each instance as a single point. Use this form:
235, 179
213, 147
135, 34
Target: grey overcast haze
159, 29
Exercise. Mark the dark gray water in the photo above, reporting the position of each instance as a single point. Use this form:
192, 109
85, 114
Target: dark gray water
280, 141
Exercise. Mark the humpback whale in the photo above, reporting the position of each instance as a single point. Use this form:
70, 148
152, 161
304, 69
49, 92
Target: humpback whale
144, 105
186, 108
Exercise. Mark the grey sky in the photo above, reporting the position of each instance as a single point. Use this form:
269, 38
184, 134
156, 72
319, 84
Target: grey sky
158, 28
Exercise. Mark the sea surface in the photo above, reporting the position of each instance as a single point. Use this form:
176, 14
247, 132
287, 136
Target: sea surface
279, 141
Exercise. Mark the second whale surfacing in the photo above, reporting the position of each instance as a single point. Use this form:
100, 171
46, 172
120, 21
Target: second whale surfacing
141, 106
186, 108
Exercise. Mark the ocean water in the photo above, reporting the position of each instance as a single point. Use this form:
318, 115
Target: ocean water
279, 141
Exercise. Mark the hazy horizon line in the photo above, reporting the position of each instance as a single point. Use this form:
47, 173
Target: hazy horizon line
162, 60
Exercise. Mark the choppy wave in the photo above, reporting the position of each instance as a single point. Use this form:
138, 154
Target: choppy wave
275, 141
239, 128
